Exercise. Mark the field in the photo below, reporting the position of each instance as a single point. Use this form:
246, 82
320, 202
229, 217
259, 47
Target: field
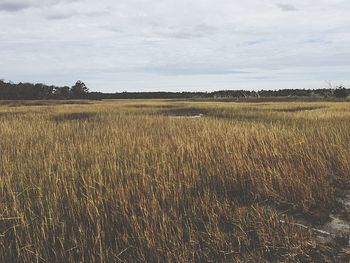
173, 181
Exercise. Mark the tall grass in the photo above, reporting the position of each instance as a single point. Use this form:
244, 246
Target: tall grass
122, 181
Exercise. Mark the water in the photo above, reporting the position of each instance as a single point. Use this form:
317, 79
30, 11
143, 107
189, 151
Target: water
187, 117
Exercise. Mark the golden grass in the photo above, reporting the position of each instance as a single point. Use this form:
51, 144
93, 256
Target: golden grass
122, 181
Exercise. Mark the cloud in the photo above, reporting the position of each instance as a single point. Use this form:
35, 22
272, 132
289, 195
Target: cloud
57, 14
192, 70
197, 31
287, 7
13, 6
166, 44
18, 5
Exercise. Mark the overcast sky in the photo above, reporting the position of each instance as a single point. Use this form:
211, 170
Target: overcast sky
175, 45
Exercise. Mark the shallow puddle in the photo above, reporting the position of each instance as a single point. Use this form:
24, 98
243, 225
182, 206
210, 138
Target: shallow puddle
187, 116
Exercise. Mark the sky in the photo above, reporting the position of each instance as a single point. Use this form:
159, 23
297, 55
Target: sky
176, 45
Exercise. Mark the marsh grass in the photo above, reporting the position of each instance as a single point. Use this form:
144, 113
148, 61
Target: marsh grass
296, 109
75, 116
184, 111
112, 183
20, 103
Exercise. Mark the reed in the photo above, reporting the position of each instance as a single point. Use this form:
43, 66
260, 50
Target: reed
123, 181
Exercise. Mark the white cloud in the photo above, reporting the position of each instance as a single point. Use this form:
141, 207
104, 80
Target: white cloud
144, 44
18, 5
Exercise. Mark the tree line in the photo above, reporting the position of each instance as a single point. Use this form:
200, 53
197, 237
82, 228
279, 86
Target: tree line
29, 91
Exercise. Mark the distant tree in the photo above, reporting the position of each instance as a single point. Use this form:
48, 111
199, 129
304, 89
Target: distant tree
62, 92
29, 91
79, 90
341, 92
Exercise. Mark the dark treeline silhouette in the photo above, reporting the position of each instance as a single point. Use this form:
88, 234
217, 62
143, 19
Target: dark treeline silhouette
339, 92
28, 91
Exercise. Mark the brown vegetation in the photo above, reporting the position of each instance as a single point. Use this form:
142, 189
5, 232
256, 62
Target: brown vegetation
115, 182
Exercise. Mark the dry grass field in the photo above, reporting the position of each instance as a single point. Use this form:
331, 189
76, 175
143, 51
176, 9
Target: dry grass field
145, 181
